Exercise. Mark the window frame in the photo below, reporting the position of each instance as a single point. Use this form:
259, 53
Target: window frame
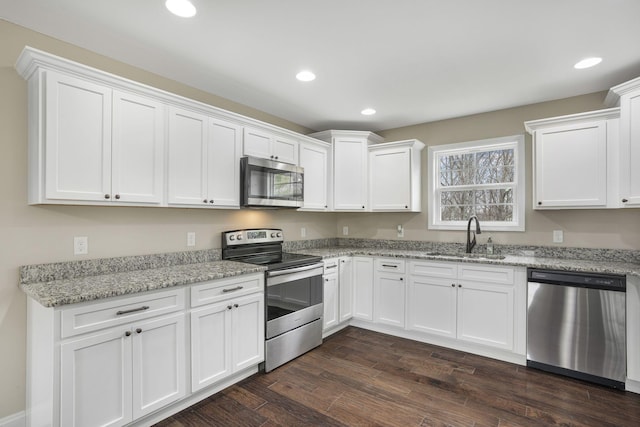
519, 185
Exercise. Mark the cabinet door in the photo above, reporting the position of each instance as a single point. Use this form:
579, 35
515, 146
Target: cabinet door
285, 150
77, 139
345, 284
257, 143
247, 331
389, 299
223, 163
137, 149
95, 380
331, 301
363, 288
630, 149
390, 179
159, 369
431, 305
314, 159
571, 166
350, 174
187, 157
485, 314
210, 345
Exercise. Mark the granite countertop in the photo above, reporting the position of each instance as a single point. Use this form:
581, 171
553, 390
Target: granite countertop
607, 267
73, 290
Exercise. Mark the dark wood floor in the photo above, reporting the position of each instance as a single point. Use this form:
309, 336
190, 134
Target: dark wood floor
362, 378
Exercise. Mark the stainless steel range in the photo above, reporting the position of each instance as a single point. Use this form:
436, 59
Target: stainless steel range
293, 292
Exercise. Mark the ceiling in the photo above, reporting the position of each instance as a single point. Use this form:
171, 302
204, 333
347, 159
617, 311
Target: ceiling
414, 61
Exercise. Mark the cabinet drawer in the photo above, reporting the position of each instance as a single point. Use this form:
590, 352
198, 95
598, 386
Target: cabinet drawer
390, 265
331, 265
434, 269
218, 290
485, 273
94, 316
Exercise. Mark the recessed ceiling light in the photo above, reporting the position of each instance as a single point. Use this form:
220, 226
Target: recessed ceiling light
181, 8
368, 112
305, 76
587, 63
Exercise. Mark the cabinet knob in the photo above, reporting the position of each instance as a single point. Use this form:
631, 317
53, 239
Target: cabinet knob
236, 305
406, 207
539, 203
117, 197
276, 157
362, 206
139, 330
127, 334
229, 307
211, 201
625, 200
459, 286
453, 285
106, 196
325, 206
401, 279
205, 200
271, 157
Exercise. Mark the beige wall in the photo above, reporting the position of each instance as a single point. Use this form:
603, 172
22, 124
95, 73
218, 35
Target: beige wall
39, 234
613, 228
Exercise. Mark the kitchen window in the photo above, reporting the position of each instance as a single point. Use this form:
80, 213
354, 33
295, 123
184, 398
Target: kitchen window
483, 178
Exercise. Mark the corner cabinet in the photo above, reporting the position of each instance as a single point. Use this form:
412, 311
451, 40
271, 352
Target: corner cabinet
588, 143
90, 143
350, 167
628, 98
395, 176
203, 160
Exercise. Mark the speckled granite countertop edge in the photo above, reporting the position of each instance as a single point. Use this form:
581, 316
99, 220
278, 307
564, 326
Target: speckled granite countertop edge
605, 267
71, 291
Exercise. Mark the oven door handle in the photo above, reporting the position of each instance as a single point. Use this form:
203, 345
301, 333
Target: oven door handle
294, 270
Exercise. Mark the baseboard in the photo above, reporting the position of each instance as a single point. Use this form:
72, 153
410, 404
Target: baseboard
15, 420
631, 385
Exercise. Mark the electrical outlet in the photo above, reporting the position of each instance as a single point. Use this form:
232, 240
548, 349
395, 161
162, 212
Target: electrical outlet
345, 230
191, 238
80, 245
303, 232
558, 236
400, 230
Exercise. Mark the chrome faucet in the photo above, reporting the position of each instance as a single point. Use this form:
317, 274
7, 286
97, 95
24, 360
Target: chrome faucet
472, 243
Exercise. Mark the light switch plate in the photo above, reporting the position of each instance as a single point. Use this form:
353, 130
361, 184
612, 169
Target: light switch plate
400, 230
303, 232
345, 230
191, 238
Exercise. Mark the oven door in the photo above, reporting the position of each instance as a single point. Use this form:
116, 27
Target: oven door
294, 298
266, 183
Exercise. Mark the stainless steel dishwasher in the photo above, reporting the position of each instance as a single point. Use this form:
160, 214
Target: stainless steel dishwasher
576, 325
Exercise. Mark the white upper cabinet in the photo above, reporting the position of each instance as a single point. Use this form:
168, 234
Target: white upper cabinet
96, 144
204, 160
314, 158
628, 97
261, 143
394, 176
575, 160
350, 167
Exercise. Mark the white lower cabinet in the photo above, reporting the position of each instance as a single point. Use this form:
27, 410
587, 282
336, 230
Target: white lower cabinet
112, 377
338, 292
125, 360
389, 292
362, 288
225, 338
468, 302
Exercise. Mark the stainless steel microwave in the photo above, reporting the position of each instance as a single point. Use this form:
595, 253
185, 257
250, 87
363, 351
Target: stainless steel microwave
270, 184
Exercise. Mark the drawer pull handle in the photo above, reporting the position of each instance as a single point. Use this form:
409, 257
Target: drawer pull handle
237, 288
133, 310
389, 265
330, 266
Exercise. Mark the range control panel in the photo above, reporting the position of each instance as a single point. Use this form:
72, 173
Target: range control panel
251, 236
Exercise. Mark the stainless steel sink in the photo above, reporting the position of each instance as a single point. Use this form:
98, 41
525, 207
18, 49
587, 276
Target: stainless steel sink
465, 255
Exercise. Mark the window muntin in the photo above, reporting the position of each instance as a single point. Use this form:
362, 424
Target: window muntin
483, 178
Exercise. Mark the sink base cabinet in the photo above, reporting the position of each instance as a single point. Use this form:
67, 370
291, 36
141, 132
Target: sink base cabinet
476, 308
90, 364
